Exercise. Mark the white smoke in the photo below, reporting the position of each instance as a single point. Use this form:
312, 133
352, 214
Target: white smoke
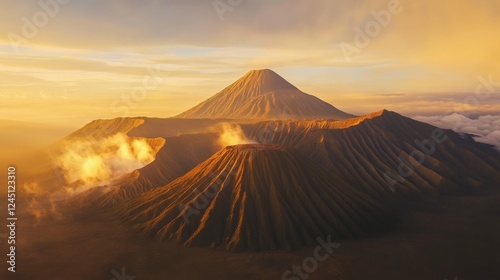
91, 163
40, 204
230, 135
82, 164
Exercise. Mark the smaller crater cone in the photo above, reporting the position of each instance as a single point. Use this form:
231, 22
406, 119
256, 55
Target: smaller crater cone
255, 197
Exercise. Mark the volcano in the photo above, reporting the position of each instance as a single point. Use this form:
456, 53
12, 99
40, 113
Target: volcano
371, 153
263, 95
255, 197
307, 177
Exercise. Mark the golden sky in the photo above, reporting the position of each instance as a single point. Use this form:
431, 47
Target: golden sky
68, 62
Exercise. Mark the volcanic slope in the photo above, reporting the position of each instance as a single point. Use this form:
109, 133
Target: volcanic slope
255, 197
371, 153
263, 95
384, 153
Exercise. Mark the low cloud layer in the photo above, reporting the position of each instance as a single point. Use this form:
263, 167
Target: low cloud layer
486, 128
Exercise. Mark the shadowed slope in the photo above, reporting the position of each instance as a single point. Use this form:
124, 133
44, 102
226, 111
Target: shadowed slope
254, 197
178, 156
260, 95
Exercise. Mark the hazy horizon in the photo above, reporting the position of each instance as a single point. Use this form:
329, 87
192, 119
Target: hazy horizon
360, 56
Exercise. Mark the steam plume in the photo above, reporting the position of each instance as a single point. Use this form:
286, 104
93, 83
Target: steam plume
230, 135
90, 163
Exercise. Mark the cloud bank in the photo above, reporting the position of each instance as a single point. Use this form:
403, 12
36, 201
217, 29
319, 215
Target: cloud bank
485, 128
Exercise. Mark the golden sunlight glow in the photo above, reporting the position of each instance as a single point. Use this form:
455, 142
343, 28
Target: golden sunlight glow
420, 49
